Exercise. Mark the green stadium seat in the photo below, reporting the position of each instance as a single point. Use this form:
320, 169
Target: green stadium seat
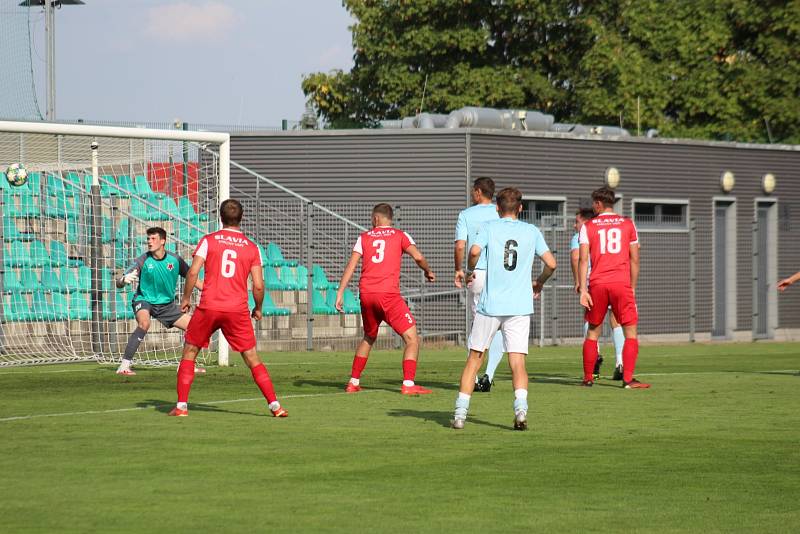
73, 182
51, 281
167, 204
126, 184
302, 277
35, 183
320, 280
60, 305
18, 308
43, 310
4, 185
275, 257
144, 190
63, 206
28, 281
271, 280
84, 279
17, 255
59, 258
79, 307
27, 208
107, 278
69, 280
124, 308
11, 233
319, 306
108, 231
289, 278
351, 303
11, 281
39, 257
268, 307
187, 210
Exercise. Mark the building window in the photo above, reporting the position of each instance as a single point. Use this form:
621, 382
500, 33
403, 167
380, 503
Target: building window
661, 214
545, 212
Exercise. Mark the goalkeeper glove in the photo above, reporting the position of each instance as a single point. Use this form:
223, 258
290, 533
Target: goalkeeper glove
131, 277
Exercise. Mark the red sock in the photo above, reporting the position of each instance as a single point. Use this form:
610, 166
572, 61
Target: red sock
359, 362
630, 352
409, 369
264, 383
185, 379
589, 357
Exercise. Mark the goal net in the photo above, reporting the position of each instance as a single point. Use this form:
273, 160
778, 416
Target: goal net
81, 219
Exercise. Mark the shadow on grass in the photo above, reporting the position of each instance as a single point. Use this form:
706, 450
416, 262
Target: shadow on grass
441, 418
165, 407
338, 385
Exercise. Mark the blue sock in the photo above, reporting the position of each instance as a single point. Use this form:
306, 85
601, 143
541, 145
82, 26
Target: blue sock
619, 342
462, 406
495, 355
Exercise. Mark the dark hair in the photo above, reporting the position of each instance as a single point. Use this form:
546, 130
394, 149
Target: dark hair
509, 200
157, 230
585, 213
605, 196
485, 185
230, 212
383, 209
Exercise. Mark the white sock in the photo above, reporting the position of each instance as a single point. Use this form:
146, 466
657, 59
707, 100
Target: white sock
274, 405
408, 383
521, 394
355, 381
124, 364
182, 406
464, 396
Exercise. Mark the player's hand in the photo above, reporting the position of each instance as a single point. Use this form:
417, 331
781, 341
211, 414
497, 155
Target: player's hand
429, 276
783, 284
339, 302
186, 306
537, 290
586, 300
470, 278
578, 289
459, 281
131, 278
257, 315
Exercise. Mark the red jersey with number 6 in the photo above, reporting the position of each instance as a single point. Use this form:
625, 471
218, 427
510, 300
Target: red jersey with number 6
381, 252
229, 255
609, 237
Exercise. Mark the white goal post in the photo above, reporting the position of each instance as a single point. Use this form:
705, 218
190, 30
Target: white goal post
79, 220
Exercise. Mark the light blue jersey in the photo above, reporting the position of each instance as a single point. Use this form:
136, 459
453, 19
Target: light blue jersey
469, 221
509, 245
575, 245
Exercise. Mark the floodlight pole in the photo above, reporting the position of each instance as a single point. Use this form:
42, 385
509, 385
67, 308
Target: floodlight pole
50, 32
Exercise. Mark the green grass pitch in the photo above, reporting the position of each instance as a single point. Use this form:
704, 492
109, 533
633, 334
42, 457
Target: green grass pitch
714, 446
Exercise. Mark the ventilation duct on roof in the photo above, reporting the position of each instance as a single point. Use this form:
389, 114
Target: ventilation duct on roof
431, 120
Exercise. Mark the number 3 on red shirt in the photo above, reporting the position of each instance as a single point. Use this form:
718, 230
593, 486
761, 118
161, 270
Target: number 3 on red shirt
228, 266
380, 247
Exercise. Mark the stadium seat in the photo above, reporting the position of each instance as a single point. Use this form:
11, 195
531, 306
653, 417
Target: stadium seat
79, 307
17, 255
320, 280
351, 303
39, 257
18, 308
27, 208
11, 233
59, 258
275, 257
11, 281
271, 280
84, 279
60, 305
35, 183
169, 207
124, 308
269, 307
126, 184
62, 206
69, 280
144, 190
302, 277
319, 306
108, 231
289, 278
107, 278
73, 182
51, 281
4, 185
28, 281
187, 211
43, 310
108, 186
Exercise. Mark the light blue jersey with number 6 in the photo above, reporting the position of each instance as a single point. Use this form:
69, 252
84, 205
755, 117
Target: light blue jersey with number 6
509, 245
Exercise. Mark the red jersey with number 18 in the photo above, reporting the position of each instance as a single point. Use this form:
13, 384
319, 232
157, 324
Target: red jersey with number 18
609, 237
381, 252
229, 255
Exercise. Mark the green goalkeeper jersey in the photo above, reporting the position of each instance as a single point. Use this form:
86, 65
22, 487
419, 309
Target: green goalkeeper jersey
157, 278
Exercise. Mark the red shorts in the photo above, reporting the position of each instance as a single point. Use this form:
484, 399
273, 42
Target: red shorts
389, 307
236, 327
621, 300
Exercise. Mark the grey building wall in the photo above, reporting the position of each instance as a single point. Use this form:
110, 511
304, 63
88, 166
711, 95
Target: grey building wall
433, 168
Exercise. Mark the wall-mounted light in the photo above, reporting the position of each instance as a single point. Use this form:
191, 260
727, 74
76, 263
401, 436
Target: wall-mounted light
768, 183
612, 177
727, 181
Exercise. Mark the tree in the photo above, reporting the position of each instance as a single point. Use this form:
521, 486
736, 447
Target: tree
706, 69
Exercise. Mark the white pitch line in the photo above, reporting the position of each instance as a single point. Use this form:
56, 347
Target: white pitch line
137, 408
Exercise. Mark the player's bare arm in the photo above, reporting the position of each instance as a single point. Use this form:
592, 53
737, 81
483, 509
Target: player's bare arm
474, 255
191, 282
634, 265
347, 275
786, 282
257, 276
458, 259
583, 271
549, 268
420, 260
574, 261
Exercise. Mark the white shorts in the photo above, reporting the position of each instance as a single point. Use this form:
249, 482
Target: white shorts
515, 329
475, 288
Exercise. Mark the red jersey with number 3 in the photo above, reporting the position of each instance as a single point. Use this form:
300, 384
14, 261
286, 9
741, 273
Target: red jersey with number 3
229, 255
609, 237
381, 252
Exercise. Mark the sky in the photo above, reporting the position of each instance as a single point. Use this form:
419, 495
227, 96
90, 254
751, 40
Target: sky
236, 62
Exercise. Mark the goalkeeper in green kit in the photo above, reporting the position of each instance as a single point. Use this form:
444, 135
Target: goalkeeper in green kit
156, 272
